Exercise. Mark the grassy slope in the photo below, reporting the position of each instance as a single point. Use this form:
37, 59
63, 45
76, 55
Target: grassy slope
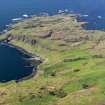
73, 71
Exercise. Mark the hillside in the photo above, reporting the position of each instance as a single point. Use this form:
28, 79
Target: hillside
73, 68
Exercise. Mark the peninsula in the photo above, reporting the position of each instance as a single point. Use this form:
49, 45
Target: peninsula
73, 67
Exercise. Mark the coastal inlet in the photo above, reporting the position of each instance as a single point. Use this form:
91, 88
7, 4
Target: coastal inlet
16, 64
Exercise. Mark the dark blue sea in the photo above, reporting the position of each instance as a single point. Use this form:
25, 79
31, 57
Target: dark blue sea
12, 63
95, 9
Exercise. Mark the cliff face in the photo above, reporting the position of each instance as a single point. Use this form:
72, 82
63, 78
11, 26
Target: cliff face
73, 71
21, 38
61, 29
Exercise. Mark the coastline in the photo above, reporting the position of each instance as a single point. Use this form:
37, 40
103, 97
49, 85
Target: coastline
34, 60
72, 61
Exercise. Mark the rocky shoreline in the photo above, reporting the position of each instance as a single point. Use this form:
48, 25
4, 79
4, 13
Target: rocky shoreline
34, 60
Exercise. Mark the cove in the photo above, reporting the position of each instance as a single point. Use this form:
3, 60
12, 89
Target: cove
13, 64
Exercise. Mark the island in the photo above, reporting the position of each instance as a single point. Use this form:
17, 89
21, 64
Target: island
72, 71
